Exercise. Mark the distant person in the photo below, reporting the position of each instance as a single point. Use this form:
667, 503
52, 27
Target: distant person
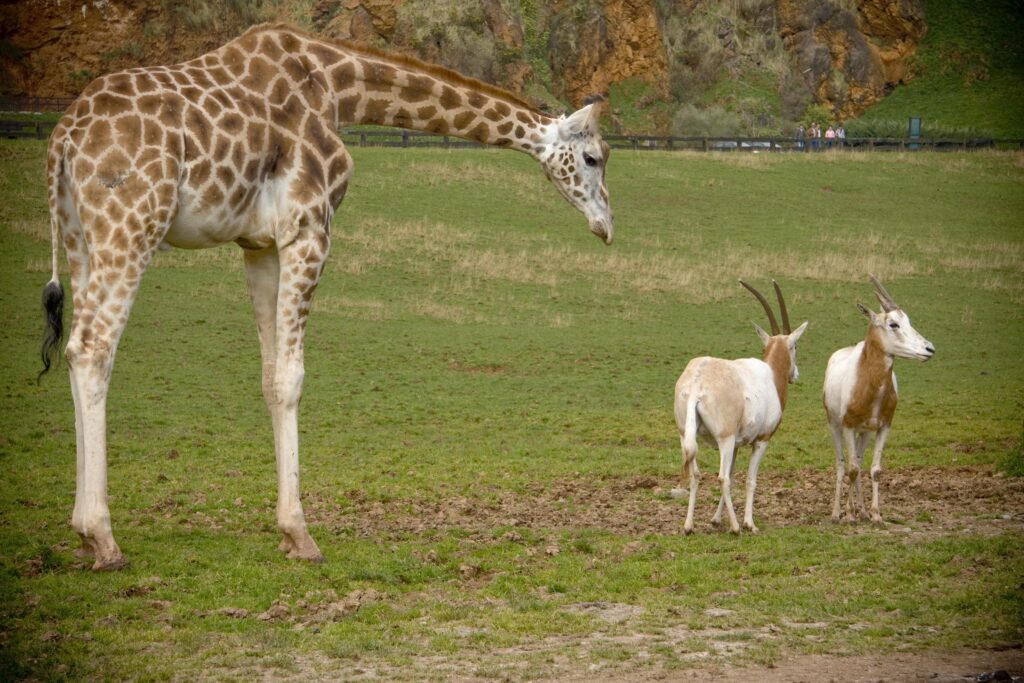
830, 137
841, 136
800, 135
815, 137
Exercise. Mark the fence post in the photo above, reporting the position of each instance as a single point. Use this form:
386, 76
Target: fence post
704, 144
362, 139
39, 131
445, 142
405, 138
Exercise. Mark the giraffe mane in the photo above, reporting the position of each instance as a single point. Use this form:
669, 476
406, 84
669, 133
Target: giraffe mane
403, 60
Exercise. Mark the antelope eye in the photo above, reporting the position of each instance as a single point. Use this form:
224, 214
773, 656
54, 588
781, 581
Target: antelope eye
894, 326
589, 160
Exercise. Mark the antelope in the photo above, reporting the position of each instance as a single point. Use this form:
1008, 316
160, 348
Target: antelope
860, 395
736, 403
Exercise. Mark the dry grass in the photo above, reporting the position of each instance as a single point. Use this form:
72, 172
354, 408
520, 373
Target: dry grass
512, 266
349, 307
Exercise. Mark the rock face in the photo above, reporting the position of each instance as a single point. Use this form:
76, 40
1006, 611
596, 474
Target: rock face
851, 61
566, 49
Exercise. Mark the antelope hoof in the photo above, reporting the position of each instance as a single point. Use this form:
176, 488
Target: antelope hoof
751, 528
876, 519
85, 552
687, 529
110, 564
304, 548
837, 517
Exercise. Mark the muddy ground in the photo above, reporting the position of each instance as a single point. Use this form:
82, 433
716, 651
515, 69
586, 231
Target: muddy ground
916, 502
930, 501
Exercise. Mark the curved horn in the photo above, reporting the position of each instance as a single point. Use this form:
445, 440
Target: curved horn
767, 308
782, 308
888, 303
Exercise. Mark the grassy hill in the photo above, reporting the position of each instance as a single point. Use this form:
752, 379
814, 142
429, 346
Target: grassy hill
969, 71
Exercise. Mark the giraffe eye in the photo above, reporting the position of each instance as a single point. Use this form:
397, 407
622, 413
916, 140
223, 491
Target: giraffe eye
589, 160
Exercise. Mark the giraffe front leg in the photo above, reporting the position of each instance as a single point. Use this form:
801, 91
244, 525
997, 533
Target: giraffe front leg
281, 296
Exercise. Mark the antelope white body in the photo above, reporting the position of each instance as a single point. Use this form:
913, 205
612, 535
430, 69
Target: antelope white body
860, 396
735, 403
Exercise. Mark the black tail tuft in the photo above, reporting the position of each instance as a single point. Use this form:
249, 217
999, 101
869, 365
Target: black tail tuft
53, 304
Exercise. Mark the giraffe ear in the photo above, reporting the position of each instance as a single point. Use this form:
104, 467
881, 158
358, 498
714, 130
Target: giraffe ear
580, 121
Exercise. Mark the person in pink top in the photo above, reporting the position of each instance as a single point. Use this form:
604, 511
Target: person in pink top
830, 137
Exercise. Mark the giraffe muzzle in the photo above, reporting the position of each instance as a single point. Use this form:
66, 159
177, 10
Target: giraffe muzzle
603, 230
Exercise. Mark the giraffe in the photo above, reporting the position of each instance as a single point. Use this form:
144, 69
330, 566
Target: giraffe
239, 145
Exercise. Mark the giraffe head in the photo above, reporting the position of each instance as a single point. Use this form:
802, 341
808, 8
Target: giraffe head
573, 158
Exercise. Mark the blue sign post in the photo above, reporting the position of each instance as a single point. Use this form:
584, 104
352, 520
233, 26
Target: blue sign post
914, 132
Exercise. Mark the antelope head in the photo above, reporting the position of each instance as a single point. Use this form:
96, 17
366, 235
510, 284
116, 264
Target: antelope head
786, 335
893, 328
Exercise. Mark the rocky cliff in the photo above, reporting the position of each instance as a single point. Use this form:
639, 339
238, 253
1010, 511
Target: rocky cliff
844, 54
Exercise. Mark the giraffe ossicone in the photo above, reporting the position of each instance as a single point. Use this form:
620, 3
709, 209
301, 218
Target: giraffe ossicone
239, 145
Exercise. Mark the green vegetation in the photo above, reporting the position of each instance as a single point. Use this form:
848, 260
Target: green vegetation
487, 437
968, 73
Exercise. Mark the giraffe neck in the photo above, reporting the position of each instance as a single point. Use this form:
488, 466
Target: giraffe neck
371, 87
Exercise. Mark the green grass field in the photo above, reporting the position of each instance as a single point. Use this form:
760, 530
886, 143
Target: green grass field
487, 432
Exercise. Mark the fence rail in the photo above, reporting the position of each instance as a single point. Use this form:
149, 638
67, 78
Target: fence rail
391, 137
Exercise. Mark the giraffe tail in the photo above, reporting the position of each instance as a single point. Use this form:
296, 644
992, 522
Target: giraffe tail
53, 292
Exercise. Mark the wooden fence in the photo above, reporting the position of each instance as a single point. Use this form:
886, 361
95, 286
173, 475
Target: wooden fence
391, 137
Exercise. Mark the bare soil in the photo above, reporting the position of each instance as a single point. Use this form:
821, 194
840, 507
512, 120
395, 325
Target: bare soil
934, 667
915, 501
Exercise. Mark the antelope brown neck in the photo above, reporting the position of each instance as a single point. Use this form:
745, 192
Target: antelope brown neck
776, 355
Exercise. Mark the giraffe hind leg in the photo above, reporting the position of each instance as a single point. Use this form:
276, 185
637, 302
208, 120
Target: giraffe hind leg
105, 282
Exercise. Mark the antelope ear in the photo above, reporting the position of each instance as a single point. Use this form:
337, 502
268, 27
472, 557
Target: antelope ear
761, 333
868, 313
794, 336
580, 121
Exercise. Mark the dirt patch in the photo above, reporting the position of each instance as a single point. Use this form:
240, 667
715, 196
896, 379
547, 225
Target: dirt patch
934, 667
915, 501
